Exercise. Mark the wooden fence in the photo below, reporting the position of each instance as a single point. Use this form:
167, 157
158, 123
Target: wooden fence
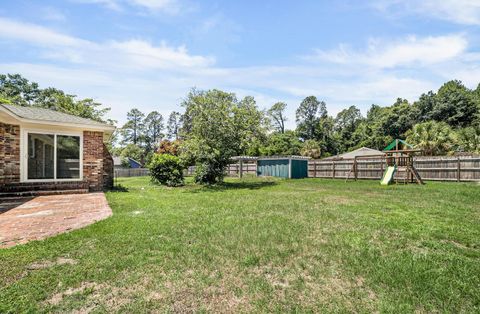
130, 172
458, 169
249, 168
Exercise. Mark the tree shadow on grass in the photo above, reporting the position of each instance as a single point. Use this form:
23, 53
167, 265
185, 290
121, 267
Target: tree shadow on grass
119, 188
240, 185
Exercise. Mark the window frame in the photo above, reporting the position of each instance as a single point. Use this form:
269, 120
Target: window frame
25, 154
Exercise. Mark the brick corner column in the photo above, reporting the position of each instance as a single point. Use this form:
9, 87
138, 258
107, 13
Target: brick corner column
93, 152
9, 153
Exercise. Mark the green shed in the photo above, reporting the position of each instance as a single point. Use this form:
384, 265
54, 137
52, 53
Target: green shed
293, 167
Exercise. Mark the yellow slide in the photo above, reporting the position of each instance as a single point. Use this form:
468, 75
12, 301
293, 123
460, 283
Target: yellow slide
388, 175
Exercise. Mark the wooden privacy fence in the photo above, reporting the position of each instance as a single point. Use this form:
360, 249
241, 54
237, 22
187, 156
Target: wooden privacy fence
232, 169
131, 172
458, 169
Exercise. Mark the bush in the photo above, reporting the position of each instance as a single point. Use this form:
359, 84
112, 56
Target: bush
167, 170
209, 172
169, 147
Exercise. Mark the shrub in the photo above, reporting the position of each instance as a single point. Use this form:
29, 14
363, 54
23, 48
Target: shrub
169, 147
210, 172
166, 169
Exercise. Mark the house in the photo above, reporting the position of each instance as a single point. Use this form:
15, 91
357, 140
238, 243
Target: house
360, 152
130, 163
42, 149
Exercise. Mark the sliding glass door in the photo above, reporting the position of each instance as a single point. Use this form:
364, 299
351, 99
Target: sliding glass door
68, 157
53, 156
41, 156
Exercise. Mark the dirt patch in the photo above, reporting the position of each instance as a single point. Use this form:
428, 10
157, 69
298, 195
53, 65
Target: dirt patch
48, 264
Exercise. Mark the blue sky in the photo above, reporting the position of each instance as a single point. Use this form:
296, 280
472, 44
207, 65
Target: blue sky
149, 53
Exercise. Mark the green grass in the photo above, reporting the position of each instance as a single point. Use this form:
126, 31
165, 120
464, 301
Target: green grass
261, 245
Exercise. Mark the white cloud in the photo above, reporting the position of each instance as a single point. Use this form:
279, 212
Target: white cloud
143, 54
53, 14
35, 34
129, 53
167, 6
110, 4
156, 4
457, 11
137, 73
408, 51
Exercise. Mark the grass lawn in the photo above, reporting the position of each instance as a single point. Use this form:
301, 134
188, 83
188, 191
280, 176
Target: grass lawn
260, 245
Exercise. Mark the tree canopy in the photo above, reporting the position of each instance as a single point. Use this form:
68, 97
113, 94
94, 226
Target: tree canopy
219, 127
17, 90
215, 125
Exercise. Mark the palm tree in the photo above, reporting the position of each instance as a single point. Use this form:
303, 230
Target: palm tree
435, 138
311, 148
469, 139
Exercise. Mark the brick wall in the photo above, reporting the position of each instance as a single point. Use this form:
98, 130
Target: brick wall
93, 159
9, 153
107, 168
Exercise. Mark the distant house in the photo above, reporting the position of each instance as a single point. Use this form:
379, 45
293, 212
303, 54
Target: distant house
130, 163
42, 149
360, 152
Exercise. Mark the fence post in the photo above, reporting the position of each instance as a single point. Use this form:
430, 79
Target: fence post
458, 169
333, 169
355, 168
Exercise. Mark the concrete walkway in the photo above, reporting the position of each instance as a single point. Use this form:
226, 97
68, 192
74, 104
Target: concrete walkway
27, 219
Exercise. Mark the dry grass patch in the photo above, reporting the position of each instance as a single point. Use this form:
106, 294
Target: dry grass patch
95, 296
48, 264
340, 200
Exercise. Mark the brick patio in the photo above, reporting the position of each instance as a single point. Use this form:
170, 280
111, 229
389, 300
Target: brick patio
27, 219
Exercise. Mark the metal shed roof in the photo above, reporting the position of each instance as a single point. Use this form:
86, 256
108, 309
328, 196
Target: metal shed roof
294, 157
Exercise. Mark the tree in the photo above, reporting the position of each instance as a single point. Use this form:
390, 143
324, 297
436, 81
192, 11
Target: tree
286, 143
132, 130
399, 118
425, 105
346, 123
469, 139
153, 129
455, 104
250, 124
212, 139
169, 147
133, 151
173, 125
17, 90
328, 138
435, 138
308, 117
277, 116
370, 132
311, 148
